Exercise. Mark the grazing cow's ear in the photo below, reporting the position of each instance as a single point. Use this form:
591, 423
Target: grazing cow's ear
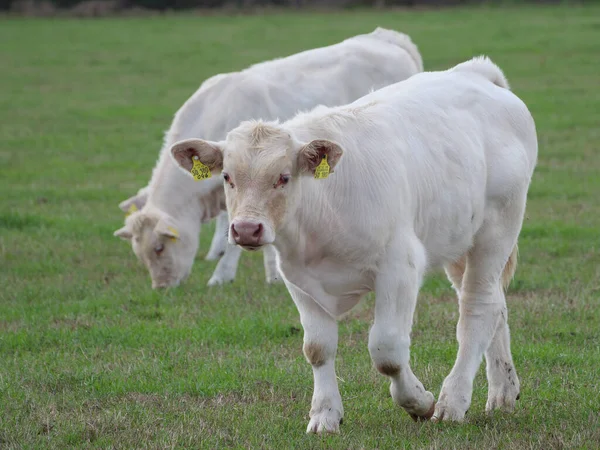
124, 233
196, 154
319, 154
134, 203
164, 228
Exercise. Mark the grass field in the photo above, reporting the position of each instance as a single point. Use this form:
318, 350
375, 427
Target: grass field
91, 356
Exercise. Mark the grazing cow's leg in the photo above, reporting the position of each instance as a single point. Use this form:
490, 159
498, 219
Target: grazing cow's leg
481, 304
227, 266
270, 259
219, 240
397, 286
503, 383
320, 347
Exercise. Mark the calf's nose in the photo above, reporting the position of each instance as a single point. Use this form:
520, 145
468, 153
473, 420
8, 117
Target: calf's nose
247, 232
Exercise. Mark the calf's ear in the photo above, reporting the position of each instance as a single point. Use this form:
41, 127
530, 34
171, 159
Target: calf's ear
209, 153
313, 155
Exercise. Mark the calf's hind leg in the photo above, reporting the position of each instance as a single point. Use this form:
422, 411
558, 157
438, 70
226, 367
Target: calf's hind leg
397, 286
482, 324
503, 383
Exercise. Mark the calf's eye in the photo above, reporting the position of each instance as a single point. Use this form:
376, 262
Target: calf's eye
283, 180
227, 179
159, 248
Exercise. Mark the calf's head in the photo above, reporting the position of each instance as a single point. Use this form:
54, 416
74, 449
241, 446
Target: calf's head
262, 165
165, 247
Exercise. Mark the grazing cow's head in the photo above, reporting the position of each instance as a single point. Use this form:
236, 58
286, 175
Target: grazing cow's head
261, 166
165, 247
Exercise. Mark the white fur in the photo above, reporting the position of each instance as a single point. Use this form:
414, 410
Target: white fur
434, 173
331, 75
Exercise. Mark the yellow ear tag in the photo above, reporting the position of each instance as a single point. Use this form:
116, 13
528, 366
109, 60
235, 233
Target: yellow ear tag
322, 170
131, 210
175, 232
200, 171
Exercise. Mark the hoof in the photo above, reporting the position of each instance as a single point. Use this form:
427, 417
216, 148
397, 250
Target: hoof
218, 281
428, 415
446, 413
326, 421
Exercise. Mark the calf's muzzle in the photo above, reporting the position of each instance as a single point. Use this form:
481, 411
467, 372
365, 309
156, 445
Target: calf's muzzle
247, 233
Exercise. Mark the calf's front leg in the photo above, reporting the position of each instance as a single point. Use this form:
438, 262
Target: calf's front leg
397, 285
320, 347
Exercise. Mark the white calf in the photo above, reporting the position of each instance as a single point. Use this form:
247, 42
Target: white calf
164, 233
435, 173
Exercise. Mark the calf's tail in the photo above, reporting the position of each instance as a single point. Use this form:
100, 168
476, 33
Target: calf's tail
484, 66
510, 268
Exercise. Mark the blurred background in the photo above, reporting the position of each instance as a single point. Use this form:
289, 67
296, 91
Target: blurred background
91, 8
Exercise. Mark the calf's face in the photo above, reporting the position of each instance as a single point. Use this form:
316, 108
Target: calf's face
261, 168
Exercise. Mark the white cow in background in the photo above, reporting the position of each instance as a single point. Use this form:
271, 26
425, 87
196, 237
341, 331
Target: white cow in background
430, 172
165, 230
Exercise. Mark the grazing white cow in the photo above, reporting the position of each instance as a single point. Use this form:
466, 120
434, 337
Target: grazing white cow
434, 173
165, 231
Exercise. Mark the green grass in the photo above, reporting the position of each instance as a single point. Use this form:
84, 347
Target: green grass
90, 356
